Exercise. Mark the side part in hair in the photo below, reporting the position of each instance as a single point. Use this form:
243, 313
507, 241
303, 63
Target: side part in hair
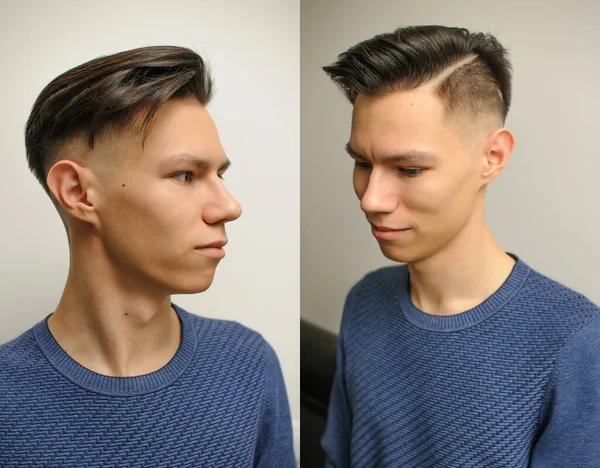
470, 72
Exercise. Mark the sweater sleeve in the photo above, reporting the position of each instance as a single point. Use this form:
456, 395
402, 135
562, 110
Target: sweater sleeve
336, 440
570, 421
275, 445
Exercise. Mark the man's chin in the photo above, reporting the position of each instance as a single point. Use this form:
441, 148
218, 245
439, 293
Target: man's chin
400, 255
194, 285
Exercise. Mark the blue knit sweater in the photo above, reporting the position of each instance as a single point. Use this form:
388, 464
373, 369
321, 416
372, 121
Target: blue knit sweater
514, 382
220, 402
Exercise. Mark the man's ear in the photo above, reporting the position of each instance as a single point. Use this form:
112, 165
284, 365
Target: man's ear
73, 189
497, 151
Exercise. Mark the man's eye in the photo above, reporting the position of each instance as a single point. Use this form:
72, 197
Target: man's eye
186, 176
410, 172
363, 166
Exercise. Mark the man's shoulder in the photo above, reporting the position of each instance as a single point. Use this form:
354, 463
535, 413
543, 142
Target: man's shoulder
372, 293
18, 350
19, 358
383, 280
220, 335
553, 310
550, 295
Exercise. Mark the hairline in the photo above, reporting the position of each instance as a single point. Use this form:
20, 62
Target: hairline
468, 124
139, 125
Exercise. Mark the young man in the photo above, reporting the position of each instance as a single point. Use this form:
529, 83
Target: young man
465, 356
118, 375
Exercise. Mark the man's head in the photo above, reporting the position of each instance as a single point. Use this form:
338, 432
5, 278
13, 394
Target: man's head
427, 136
132, 160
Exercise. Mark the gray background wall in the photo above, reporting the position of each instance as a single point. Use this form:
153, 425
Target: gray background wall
256, 109
544, 208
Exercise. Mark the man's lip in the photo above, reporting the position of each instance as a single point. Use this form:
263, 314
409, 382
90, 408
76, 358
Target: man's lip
383, 228
387, 234
214, 245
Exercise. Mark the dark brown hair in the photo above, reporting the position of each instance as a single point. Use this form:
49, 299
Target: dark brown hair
108, 93
412, 56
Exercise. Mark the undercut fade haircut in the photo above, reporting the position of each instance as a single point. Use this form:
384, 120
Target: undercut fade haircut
470, 72
110, 93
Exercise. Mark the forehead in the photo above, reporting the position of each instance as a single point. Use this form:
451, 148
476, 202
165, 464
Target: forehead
411, 118
182, 126
398, 111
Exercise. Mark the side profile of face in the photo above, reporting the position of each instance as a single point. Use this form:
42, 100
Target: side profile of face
419, 175
159, 208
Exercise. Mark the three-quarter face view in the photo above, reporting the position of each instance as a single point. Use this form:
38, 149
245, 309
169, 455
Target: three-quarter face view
417, 174
464, 355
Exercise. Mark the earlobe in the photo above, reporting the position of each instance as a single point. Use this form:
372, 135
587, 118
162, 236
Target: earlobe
67, 182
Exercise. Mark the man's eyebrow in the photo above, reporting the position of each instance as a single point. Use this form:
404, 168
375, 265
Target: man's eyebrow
411, 156
202, 164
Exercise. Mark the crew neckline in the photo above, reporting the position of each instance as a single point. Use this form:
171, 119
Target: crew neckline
471, 317
120, 386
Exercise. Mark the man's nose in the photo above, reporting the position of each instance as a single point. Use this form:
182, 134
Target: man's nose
380, 195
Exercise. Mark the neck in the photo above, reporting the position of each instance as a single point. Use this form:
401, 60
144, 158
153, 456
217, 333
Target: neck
112, 326
462, 275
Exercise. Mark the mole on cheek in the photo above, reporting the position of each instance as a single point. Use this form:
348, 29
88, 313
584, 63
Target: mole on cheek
123, 185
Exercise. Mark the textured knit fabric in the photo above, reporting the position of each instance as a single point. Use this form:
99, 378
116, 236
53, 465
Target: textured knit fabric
514, 382
220, 402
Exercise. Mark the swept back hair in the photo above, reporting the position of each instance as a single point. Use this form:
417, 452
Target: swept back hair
109, 93
470, 72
